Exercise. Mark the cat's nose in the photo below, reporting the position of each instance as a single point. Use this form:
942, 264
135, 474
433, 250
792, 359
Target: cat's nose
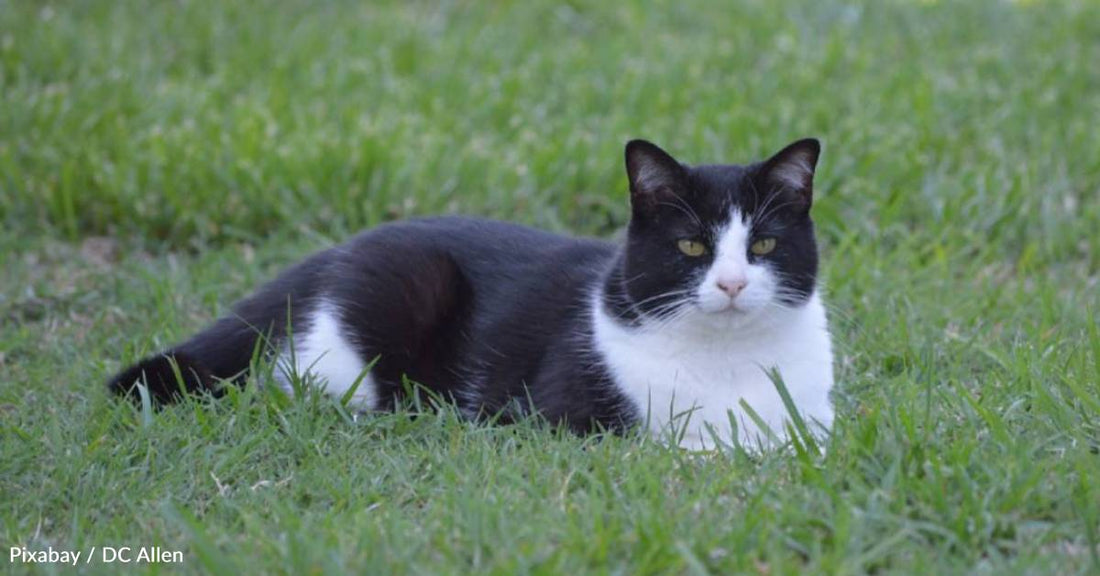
733, 287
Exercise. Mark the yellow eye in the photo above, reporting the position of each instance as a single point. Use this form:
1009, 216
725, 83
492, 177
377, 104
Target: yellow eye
692, 248
763, 246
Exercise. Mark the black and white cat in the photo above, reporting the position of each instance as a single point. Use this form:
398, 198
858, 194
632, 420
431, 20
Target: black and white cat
713, 287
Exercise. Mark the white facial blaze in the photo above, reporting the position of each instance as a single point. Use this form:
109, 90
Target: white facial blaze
731, 266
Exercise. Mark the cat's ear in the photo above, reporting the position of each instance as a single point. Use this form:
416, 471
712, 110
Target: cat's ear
792, 171
652, 173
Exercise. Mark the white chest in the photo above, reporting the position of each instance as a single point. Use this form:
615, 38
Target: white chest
694, 382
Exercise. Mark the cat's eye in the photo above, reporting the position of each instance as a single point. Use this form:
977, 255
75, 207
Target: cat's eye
763, 246
693, 248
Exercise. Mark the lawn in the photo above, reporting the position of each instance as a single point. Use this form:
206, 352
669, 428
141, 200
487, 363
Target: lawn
160, 159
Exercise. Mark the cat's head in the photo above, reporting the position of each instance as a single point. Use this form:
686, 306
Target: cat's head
728, 241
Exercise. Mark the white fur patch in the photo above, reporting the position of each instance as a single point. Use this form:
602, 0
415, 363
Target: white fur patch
323, 356
690, 378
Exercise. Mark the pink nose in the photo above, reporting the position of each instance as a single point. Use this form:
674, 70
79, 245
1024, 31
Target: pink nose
732, 287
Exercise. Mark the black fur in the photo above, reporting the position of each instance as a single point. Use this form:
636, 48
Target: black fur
497, 316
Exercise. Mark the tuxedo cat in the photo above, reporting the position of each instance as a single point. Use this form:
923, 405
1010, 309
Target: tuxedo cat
713, 288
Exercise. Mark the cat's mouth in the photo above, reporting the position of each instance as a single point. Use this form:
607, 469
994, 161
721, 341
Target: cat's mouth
729, 307
736, 309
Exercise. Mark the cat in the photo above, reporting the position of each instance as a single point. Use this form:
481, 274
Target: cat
712, 294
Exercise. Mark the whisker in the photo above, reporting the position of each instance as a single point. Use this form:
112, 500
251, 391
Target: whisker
677, 298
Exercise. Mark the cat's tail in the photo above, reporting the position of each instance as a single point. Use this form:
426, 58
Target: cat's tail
222, 352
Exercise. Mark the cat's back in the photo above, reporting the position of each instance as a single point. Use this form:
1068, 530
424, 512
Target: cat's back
486, 249
472, 232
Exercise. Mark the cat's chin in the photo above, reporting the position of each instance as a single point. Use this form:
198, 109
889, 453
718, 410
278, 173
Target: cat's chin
731, 318
717, 318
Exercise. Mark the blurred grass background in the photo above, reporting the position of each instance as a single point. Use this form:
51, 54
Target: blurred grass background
160, 159
197, 121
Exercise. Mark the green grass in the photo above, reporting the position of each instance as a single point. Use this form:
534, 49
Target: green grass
160, 159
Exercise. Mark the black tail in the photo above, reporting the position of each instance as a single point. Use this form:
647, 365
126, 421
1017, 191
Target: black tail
224, 351
221, 352
159, 375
